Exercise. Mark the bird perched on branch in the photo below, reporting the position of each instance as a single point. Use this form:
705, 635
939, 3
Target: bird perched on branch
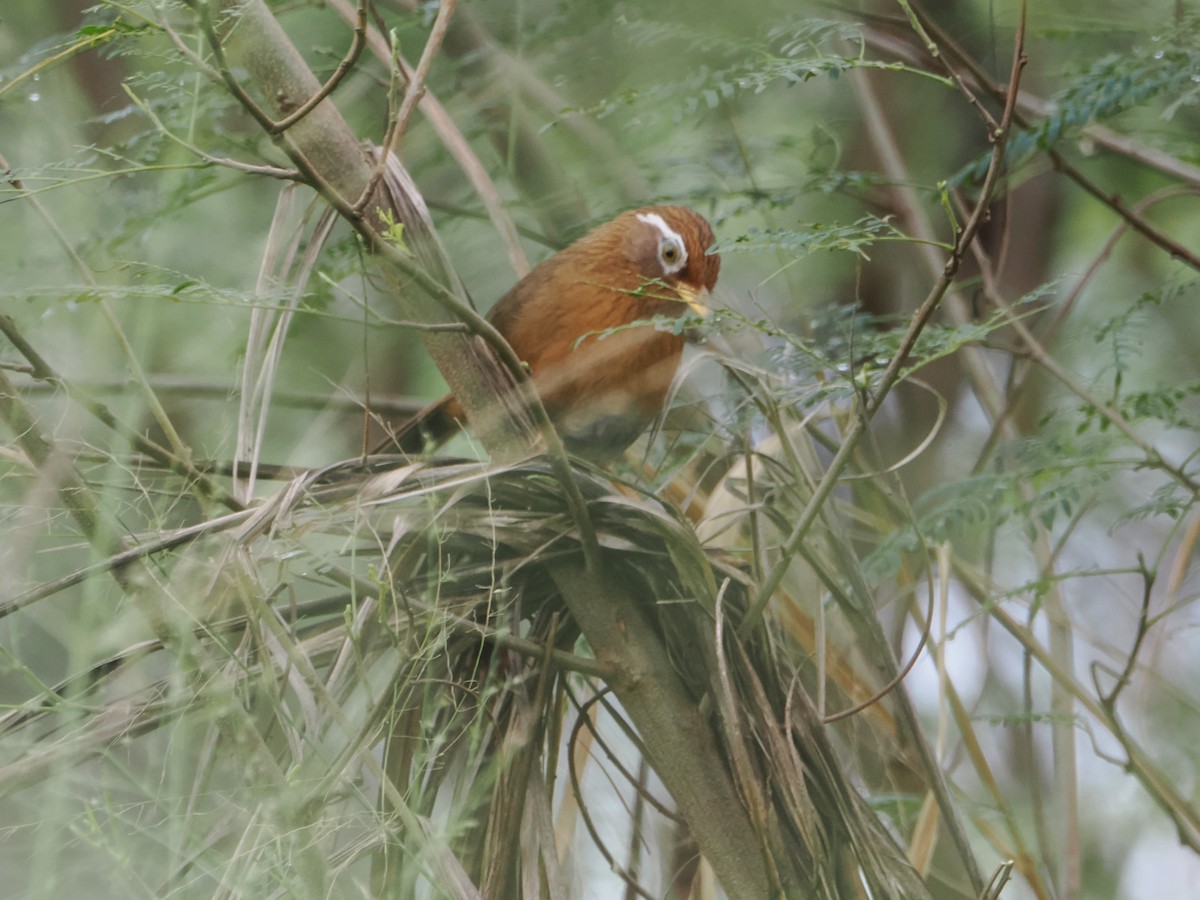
602, 383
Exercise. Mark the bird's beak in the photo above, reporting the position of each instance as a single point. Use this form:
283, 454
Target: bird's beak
697, 300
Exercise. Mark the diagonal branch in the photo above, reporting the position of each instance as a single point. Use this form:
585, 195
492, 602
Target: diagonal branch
895, 367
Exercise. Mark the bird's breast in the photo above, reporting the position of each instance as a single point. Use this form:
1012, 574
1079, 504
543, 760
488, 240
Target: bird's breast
601, 377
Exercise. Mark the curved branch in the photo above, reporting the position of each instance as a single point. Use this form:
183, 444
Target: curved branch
895, 368
356, 47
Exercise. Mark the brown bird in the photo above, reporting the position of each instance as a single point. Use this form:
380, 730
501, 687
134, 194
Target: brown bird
601, 388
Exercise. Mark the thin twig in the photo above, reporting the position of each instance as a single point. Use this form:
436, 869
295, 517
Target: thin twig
203, 12
1136, 220
1030, 105
224, 161
1156, 782
597, 841
118, 561
896, 679
896, 366
413, 92
1148, 577
1113, 201
343, 67
1020, 380
1111, 414
392, 404
931, 47
459, 148
178, 452
918, 223
180, 464
43, 454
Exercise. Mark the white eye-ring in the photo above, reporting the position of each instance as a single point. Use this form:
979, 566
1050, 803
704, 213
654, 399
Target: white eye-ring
671, 251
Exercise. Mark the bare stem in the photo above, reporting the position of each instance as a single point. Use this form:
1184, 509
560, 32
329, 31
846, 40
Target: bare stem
356, 47
895, 367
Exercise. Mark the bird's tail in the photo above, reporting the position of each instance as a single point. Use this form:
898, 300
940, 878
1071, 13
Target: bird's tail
429, 428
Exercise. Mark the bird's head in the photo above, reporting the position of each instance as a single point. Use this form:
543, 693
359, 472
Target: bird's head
668, 245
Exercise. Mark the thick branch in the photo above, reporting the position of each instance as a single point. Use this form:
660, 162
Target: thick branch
332, 159
679, 743
678, 740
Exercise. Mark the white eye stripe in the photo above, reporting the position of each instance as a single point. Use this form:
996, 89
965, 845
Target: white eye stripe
668, 237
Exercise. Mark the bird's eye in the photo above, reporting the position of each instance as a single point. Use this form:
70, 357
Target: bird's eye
670, 254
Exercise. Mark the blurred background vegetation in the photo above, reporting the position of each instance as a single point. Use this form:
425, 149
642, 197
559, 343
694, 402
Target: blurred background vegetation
1031, 481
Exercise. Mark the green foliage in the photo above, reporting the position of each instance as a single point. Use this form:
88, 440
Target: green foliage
394, 232
787, 55
1166, 68
854, 238
1125, 336
1045, 481
366, 679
